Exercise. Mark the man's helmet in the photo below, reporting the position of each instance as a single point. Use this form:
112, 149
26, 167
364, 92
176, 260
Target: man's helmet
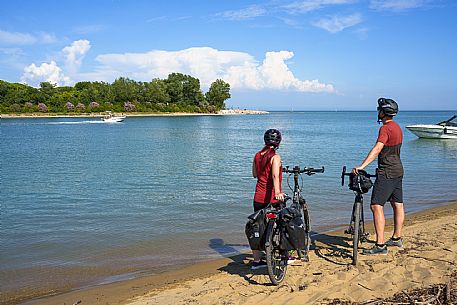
272, 137
388, 106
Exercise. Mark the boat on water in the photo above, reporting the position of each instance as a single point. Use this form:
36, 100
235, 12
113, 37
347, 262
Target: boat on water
111, 118
442, 130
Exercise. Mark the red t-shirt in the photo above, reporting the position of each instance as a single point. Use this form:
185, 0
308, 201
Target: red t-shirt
264, 189
389, 163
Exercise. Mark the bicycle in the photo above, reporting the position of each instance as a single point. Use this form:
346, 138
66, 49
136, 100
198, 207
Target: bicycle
276, 253
299, 201
357, 224
277, 256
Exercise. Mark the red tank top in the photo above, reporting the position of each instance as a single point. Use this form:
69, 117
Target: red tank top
264, 189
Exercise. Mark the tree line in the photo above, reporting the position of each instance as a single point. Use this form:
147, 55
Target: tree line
177, 93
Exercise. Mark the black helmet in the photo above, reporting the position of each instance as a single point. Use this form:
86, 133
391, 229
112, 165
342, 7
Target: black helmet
272, 137
388, 106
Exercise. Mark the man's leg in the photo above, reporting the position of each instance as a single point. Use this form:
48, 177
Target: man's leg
256, 254
379, 222
399, 217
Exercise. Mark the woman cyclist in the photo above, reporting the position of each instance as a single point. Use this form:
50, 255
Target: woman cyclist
267, 168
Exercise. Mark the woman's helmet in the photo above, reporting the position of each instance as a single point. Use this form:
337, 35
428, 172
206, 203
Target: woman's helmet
272, 137
388, 106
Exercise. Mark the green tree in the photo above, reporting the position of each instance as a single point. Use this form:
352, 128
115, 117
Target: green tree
218, 92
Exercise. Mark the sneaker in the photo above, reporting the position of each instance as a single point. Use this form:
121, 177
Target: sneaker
291, 259
258, 265
376, 250
394, 243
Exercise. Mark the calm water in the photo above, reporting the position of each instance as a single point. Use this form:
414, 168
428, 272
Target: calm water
84, 203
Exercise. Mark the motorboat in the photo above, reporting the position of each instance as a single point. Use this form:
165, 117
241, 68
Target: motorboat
111, 118
442, 130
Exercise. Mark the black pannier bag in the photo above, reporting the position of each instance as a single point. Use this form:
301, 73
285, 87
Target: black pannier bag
293, 229
255, 230
360, 182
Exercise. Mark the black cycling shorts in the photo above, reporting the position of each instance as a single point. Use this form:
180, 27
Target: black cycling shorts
387, 189
259, 206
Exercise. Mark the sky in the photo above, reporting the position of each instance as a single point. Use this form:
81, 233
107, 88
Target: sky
276, 55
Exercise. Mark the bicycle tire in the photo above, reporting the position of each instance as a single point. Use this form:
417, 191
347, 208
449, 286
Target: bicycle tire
306, 221
356, 233
276, 258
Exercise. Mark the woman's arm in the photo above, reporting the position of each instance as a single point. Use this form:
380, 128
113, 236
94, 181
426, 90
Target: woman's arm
276, 170
254, 169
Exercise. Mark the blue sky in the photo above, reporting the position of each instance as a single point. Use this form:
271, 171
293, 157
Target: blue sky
277, 55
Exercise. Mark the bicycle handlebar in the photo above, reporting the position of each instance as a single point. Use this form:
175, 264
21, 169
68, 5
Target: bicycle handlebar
343, 173
306, 170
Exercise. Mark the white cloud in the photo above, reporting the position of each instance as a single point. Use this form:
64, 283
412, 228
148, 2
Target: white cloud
74, 54
396, 5
13, 52
337, 23
244, 14
275, 74
46, 72
305, 6
17, 38
239, 69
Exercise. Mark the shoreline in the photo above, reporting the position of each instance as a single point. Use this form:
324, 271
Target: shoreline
227, 273
131, 114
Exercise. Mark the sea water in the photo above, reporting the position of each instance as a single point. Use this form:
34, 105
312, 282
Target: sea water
85, 203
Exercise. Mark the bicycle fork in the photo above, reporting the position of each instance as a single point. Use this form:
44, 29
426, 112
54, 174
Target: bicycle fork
350, 230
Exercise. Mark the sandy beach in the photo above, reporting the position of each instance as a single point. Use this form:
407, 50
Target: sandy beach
129, 114
429, 257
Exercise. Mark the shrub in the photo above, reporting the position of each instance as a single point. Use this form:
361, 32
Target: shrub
129, 107
42, 107
80, 107
94, 105
69, 106
28, 107
15, 108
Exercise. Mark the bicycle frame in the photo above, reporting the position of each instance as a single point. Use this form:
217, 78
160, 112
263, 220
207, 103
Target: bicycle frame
301, 202
296, 171
350, 230
357, 223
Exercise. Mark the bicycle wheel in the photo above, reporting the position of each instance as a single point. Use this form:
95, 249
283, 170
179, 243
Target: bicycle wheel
276, 258
356, 233
306, 221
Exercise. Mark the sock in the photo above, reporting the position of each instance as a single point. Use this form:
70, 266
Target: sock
396, 238
380, 245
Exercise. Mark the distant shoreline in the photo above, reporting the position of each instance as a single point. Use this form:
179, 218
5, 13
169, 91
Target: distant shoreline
130, 114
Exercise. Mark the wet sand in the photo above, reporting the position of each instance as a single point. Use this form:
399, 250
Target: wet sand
429, 257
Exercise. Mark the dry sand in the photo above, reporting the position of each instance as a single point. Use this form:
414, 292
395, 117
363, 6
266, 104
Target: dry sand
429, 257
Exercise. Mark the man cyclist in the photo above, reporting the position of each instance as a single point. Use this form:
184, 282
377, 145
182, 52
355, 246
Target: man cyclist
388, 184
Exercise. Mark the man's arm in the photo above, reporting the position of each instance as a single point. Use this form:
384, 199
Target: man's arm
371, 156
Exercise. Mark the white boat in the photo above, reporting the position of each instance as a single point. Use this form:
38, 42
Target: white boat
442, 130
110, 118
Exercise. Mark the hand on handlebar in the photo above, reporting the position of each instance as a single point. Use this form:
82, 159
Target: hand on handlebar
356, 169
280, 197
